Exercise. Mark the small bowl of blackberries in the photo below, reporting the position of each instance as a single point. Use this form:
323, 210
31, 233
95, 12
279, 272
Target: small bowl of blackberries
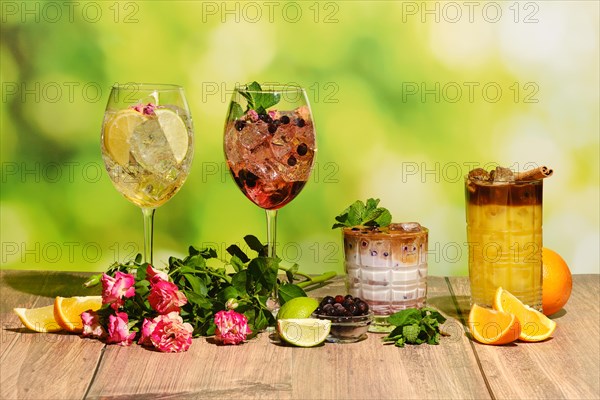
350, 318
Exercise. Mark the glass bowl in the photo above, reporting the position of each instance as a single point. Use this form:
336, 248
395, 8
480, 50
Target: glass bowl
347, 329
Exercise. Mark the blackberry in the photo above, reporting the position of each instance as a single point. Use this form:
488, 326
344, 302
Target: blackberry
285, 120
300, 122
302, 149
239, 125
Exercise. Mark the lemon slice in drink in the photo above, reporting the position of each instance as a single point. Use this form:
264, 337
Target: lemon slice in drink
117, 132
39, 319
175, 132
304, 332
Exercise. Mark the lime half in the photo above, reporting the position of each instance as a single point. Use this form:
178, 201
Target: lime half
304, 332
298, 307
175, 132
117, 132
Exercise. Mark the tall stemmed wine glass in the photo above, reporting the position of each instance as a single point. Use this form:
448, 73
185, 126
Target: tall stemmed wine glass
147, 146
270, 147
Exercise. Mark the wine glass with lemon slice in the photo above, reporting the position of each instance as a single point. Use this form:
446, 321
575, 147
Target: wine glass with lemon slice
147, 146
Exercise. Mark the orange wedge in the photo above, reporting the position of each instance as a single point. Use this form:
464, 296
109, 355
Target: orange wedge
67, 311
493, 327
39, 319
535, 326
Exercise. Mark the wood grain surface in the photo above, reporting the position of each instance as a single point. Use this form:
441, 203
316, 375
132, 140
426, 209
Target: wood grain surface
62, 366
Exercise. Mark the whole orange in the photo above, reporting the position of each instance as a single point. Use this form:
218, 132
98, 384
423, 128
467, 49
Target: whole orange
557, 282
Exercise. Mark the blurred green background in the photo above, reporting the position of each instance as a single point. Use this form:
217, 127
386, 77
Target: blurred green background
407, 97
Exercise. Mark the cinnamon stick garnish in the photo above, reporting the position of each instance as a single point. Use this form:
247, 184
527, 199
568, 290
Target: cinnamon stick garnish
534, 174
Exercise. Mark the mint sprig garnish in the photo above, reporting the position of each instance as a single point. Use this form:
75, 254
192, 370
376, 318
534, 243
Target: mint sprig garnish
258, 101
415, 326
361, 214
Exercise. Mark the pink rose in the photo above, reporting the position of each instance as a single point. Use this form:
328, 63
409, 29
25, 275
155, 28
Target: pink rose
232, 327
253, 115
114, 289
272, 114
91, 324
167, 333
165, 297
118, 330
154, 275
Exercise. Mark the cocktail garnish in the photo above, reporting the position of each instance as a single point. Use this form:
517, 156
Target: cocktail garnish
361, 214
258, 102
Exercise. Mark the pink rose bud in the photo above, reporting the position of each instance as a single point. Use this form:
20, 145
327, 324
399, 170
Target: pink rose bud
170, 334
91, 324
232, 327
149, 109
114, 289
154, 275
253, 115
272, 114
165, 297
118, 331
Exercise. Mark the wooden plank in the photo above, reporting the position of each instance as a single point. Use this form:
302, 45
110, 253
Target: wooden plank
565, 366
370, 369
263, 369
40, 365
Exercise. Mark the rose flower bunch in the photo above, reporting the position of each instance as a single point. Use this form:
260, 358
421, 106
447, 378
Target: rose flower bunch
146, 307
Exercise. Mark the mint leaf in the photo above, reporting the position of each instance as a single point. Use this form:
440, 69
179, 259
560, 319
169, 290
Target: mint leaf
235, 111
415, 326
257, 99
363, 214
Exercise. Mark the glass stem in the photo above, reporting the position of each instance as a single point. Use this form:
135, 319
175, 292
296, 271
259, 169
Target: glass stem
271, 252
148, 233
271, 232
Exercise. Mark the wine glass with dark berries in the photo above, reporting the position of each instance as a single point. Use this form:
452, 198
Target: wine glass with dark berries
270, 147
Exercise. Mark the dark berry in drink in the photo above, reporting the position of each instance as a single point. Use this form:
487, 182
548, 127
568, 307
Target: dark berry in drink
292, 161
272, 128
239, 125
285, 120
339, 298
302, 149
300, 122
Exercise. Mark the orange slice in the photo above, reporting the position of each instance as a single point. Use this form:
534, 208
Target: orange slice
39, 319
67, 310
535, 326
493, 327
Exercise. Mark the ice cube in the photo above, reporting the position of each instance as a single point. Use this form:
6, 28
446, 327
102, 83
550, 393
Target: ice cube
479, 174
501, 174
253, 135
151, 149
406, 227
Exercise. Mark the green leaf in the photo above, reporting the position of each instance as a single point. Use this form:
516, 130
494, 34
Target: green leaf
239, 282
235, 111
256, 245
229, 292
258, 100
236, 263
235, 250
263, 270
365, 214
288, 291
197, 285
409, 316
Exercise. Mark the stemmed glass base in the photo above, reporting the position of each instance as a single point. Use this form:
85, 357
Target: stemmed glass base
273, 302
148, 233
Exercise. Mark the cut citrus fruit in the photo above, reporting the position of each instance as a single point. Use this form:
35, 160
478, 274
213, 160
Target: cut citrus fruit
303, 332
39, 319
117, 132
535, 326
67, 310
298, 307
175, 132
557, 282
493, 327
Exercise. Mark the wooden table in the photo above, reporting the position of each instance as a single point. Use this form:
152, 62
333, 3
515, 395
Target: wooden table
62, 366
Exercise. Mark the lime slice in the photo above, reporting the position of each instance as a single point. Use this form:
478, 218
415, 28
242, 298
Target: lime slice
298, 307
117, 132
304, 332
175, 132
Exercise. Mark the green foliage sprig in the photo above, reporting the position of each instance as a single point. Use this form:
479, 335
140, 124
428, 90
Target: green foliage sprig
361, 214
415, 326
208, 288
